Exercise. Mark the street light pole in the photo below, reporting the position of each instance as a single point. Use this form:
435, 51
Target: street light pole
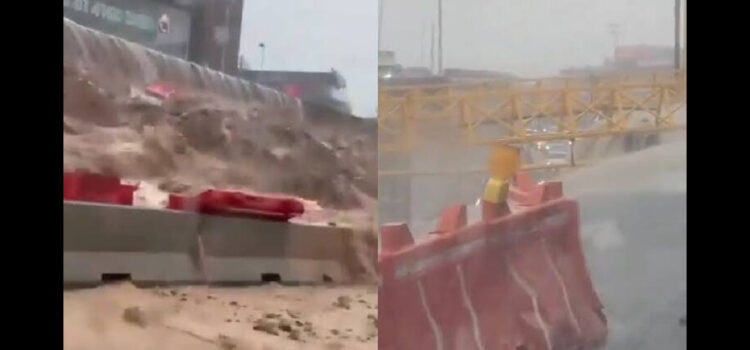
677, 32
380, 24
440, 37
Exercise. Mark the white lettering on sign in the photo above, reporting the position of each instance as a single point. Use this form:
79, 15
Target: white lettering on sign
418, 267
112, 14
139, 20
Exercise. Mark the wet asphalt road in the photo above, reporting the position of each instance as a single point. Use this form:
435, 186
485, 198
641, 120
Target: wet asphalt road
633, 228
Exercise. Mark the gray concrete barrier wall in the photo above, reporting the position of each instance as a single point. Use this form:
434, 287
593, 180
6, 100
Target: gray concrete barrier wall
164, 246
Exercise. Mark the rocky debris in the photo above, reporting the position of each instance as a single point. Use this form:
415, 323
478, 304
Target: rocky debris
343, 302
266, 326
264, 154
134, 315
226, 343
277, 324
294, 334
285, 326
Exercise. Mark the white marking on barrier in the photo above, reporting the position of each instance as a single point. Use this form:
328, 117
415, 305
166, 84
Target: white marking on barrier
461, 251
420, 266
470, 308
564, 288
534, 302
433, 324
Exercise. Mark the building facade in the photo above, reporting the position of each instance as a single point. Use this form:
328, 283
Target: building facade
205, 32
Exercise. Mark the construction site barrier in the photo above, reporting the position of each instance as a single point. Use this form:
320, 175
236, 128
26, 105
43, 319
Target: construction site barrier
86, 187
215, 237
99, 188
512, 281
228, 203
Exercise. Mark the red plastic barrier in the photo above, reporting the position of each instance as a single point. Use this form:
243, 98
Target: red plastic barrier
228, 203
525, 193
452, 219
514, 282
97, 188
160, 90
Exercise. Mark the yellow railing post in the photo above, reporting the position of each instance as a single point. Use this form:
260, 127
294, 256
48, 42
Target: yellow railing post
618, 117
466, 119
519, 129
408, 122
568, 120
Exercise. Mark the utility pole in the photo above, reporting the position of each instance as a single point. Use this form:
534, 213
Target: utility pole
421, 45
677, 32
440, 37
614, 29
380, 24
432, 48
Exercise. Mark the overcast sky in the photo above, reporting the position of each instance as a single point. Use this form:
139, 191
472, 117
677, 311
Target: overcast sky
317, 35
530, 38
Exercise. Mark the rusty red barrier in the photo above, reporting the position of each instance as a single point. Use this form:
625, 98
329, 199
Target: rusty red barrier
517, 281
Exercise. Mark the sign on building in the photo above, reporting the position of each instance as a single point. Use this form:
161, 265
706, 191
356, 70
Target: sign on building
145, 22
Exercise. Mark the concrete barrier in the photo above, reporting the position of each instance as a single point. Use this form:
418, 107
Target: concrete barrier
239, 249
163, 246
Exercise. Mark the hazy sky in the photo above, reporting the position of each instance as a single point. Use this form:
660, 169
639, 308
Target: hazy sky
317, 35
530, 38
526, 37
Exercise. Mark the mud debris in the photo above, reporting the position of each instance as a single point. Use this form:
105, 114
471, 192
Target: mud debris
343, 302
134, 315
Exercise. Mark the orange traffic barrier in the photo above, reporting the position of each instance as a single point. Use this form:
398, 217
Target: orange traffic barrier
513, 281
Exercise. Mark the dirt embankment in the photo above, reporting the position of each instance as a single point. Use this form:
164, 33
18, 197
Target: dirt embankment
195, 140
269, 317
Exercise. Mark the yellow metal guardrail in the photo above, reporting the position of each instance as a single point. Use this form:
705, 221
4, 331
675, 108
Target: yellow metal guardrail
526, 168
488, 113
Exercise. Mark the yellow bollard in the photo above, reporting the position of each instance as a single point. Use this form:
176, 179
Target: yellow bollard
495, 191
503, 164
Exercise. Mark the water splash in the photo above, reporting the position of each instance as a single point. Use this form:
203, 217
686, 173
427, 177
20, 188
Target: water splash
137, 65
